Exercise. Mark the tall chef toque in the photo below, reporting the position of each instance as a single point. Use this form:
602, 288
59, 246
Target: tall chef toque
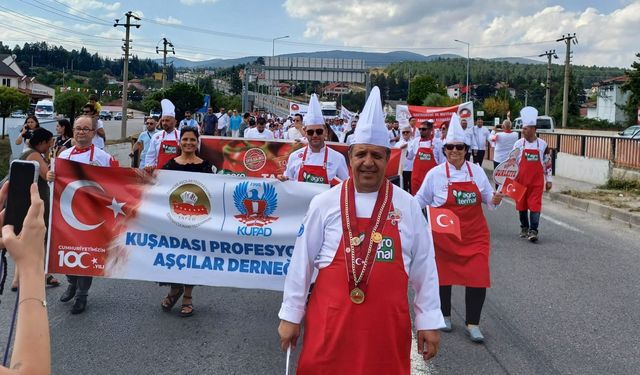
529, 116
314, 112
168, 109
371, 129
455, 134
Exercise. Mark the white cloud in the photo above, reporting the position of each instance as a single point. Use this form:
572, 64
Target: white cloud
91, 6
169, 21
196, 2
527, 29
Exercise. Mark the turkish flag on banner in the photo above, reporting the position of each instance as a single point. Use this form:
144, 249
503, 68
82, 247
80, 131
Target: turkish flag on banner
91, 206
513, 189
444, 221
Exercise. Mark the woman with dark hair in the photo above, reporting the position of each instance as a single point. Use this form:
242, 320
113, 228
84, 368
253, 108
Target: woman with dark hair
188, 161
38, 144
64, 140
30, 123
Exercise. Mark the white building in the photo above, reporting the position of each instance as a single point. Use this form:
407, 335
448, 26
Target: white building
12, 76
610, 98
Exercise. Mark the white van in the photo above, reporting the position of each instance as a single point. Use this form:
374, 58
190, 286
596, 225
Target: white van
44, 109
544, 124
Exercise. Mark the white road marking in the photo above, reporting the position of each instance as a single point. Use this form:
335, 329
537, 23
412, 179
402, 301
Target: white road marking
418, 365
554, 221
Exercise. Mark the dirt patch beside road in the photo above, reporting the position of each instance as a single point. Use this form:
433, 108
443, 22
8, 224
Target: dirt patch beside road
624, 199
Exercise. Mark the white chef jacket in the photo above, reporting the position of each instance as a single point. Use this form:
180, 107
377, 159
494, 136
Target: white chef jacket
100, 157
539, 144
319, 242
469, 140
503, 144
407, 162
336, 164
151, 158
253, 133
435, 187
480, 137
435, 144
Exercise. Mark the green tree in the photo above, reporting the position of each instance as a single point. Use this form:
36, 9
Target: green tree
184, 96
422, 86
632, 86
11, 100
98, 81
438, 100
495, 107
69, 103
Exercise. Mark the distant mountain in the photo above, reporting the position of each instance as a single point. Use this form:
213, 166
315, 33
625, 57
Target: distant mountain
372, 59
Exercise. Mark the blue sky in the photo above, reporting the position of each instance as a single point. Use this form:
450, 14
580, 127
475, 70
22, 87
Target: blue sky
606, 29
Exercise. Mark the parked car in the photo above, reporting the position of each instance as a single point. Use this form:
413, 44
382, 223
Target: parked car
155, 113
632, 132
129, 114
105, 115
543, 124
18, 114
118, 116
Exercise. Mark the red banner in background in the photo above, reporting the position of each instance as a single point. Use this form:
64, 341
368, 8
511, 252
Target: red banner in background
256, 158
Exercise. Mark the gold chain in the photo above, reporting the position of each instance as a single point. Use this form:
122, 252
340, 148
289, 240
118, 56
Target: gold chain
357, 279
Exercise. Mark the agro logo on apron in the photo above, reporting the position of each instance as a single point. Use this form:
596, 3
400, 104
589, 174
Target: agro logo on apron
314, 173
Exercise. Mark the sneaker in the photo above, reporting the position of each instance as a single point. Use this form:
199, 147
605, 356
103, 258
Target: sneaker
474, 334
447, 324
524, 232
533, 235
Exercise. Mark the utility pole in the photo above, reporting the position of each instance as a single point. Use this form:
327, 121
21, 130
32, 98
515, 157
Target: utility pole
567, 39
125, 72
547, 95
164, 50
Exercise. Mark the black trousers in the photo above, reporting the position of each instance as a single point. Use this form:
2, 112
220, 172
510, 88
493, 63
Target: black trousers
81, 283
473, 300
479, 156
406, 182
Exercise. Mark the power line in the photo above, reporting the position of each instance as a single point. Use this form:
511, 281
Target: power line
81, 12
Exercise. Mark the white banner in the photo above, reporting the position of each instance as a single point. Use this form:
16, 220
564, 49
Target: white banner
297, 108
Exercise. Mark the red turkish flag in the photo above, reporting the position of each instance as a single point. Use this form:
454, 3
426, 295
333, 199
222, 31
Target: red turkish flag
444, 221
91, 206
513, 189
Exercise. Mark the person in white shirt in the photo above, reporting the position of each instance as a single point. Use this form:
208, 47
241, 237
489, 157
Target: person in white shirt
426, 152
316, 162
260, 131
534, 172
99, 136
84, 151
376, 232
295, 132
481, 135
144, 140
468, 138
460, 187
164, 144
394, 133
407, 162
502, 143
223, 123
188, 121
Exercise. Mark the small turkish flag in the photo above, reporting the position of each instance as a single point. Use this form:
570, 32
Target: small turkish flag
513, 189
444, 221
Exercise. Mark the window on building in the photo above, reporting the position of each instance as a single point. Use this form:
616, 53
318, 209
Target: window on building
6, 82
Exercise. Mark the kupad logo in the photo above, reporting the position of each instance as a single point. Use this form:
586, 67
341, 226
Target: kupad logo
255, 209
189, 204
254, 159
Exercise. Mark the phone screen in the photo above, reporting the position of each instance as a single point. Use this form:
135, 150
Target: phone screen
21, 175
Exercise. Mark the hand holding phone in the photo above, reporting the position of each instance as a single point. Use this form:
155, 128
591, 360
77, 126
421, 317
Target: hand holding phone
22, 174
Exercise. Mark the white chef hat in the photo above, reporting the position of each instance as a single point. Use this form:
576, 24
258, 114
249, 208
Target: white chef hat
529, 116
371, 128
455, 132
168, 109
314, 112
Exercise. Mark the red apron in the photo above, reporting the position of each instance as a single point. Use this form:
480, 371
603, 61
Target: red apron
314, 173
374, 337
422, 163
466, 261
531, 175
168, 150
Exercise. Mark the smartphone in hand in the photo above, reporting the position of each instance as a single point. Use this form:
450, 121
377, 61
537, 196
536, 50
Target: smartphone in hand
22, 174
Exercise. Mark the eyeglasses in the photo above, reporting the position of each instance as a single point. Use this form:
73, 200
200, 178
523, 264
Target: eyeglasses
406, 132
457, 147
150, 123
83, 130
310, 132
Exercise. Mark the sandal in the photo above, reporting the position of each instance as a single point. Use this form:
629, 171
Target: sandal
171, 299
52, 281
187, 308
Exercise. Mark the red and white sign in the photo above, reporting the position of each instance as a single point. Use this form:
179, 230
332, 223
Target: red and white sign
436, 114
513, 189
444, 221
506, 169
295, 108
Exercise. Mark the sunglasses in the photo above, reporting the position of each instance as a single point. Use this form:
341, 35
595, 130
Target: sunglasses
406, 132
150, 123
424, 129
457, 147
316, 131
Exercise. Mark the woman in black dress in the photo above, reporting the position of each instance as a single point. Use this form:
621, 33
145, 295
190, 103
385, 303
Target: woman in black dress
188, 161
64, 140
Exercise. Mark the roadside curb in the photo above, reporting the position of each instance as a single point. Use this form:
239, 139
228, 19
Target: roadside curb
595, 209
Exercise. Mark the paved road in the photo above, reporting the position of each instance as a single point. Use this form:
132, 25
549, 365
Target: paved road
567, 305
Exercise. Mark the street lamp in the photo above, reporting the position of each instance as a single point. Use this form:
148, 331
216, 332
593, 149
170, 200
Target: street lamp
468, 45
273, 48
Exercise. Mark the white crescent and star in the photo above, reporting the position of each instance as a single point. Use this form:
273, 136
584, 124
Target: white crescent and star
66, 199
510, 188
439, 220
